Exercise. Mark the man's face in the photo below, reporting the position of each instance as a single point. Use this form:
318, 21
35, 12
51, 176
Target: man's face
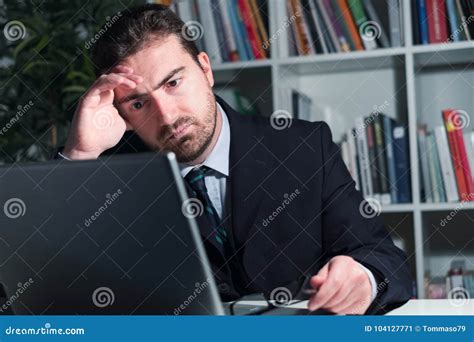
173, 109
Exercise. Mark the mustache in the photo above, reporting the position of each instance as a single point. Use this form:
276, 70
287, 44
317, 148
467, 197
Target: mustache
168, 130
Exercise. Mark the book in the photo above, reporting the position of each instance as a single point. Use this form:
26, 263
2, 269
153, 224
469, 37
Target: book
425, 174
436, 13
402, 163
361, 21
469, 143
388, 124
230, 41
438, 177
375, 17
316, 40
363, 157
372, 159
348, 23
238, 38
253, 38
302, 39
458, 153
210, 36
454, 24
463, 20
261, 25
449, 180
219, 27
381, 159
423, 21
468, 9
436, 183
327, 25
317, 25
395, 23
326, 9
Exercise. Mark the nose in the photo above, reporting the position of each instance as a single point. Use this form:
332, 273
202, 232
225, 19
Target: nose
164, 108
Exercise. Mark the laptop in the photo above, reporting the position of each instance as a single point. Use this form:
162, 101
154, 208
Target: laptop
113, 236
109, 236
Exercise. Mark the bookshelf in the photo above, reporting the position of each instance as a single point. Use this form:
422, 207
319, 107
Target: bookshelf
415, 82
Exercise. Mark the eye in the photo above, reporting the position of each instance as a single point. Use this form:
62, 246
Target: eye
137, 105
173, 83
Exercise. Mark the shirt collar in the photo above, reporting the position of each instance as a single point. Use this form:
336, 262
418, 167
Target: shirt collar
218, 159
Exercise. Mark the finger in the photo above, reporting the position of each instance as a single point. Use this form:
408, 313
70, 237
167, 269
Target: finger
335, 281
344, 308
110, 82
126, 72
340, 297
122, 69
132, 77
317, 280
354, 305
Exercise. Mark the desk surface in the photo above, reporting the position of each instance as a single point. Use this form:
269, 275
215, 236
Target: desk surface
415, 307
435, 307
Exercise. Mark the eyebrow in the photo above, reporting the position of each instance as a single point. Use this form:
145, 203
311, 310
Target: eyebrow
164, 81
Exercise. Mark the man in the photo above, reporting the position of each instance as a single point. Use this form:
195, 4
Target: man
281, 203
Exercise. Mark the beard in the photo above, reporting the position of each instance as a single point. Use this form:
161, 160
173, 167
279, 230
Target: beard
192, 145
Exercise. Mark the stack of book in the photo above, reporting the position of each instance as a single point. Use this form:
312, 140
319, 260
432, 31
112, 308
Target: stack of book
377, 156
228, 31
332, 26
442, 21
447, 159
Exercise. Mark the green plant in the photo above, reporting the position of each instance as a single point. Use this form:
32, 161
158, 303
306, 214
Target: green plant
44, 69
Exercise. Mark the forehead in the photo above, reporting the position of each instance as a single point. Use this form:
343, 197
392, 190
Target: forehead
158, 56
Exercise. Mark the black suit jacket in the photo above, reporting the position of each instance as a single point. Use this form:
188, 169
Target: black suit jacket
297, 177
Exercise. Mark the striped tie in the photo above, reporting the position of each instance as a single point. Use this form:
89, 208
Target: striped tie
195, 179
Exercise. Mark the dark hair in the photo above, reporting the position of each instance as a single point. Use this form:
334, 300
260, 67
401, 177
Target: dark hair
134, 30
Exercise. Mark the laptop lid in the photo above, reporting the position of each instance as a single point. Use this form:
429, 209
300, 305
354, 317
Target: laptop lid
109, 236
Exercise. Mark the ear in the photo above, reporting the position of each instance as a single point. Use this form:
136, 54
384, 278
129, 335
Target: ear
206, 67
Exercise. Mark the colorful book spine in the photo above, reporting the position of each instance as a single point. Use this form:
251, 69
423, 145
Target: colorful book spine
361, 20
327, 8
239, 39
350, 25
327, 24
455, 26
255, 42
449, 179
221, 34
436, 13
423, 21
261, 29
459, 156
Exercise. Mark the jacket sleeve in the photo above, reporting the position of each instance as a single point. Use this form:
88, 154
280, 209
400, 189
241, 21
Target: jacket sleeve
351, 228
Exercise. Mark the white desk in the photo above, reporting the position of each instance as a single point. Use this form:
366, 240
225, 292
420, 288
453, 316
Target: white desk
434, 307
415, 307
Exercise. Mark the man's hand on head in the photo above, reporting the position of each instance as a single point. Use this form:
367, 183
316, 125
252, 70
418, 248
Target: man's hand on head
97, 124
342, 287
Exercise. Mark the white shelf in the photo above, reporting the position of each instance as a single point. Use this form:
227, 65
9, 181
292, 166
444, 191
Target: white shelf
242, 65
447, 206
397, 208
